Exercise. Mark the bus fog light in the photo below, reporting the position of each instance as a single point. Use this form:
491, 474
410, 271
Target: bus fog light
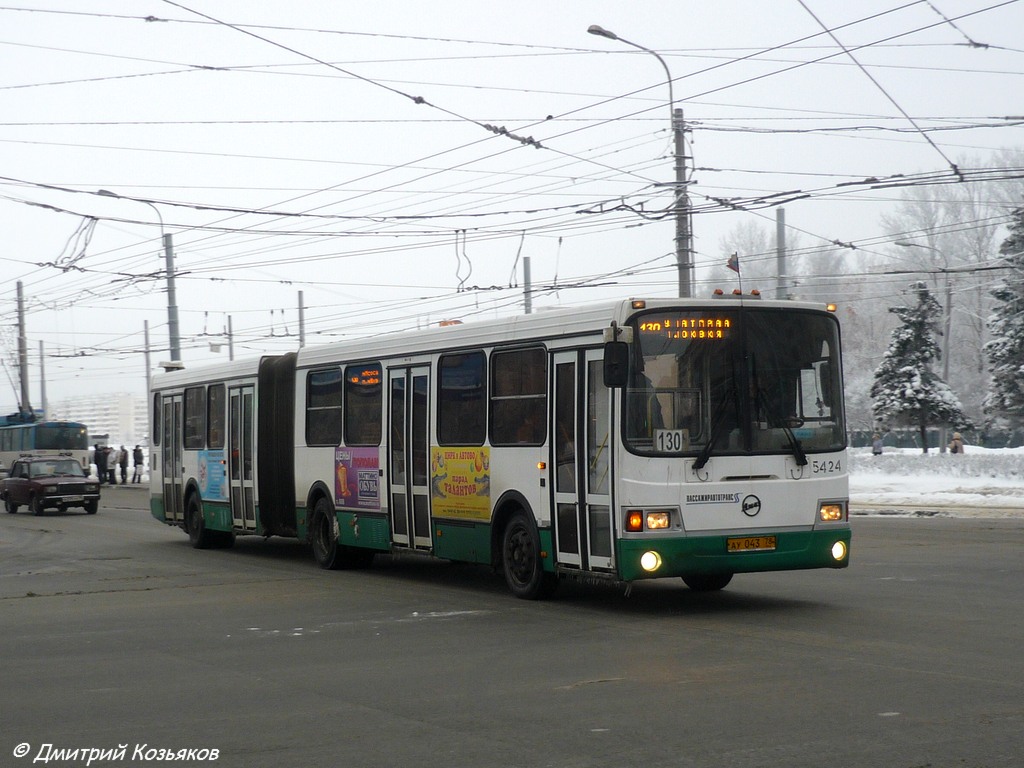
830, 513
839, 551
650, 561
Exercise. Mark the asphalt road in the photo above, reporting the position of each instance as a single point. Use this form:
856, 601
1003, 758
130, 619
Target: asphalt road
113, 631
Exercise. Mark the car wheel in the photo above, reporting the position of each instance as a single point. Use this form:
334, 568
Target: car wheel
91, 507
10, 506
37, 505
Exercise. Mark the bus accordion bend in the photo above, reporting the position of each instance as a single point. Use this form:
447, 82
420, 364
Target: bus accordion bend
636, 440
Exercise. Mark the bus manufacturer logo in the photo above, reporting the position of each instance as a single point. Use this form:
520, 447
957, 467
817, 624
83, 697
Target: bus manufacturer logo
751, 505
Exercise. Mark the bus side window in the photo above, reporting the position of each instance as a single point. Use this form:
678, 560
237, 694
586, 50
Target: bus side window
462, 399
519, 397
195, 418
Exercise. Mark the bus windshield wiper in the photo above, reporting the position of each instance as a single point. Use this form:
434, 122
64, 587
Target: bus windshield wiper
716, 428
794, 443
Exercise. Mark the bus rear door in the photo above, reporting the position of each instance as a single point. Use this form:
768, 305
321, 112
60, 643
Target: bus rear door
409, 456
240, 463
172, 466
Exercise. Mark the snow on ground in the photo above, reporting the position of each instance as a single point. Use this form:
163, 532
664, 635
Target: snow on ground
987, 482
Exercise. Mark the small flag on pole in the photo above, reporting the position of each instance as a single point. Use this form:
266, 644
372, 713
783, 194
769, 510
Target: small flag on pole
734, 263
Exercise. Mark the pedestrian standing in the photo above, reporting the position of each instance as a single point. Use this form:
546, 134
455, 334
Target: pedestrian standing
122, 460
138, 459
956, 445
100, 457
111, 461
876, 445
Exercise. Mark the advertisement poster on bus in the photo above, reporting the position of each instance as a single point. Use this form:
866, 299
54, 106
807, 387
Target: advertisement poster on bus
460, 483
357, 478
212, 472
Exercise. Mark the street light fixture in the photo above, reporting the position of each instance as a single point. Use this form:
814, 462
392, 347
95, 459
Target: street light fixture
946, 322
681, 205
172, 305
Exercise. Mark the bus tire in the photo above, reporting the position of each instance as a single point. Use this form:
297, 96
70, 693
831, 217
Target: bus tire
521, 560
195, 524
329, 553
707, 582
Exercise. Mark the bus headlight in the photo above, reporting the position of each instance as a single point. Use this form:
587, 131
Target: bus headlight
650, 561
839, 551
831, 512
657, 520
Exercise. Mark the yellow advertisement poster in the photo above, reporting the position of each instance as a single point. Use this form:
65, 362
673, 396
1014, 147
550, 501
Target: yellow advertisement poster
460, 483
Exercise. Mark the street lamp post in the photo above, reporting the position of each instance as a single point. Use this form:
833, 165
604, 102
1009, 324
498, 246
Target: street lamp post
946, 323
681, 202
172, 303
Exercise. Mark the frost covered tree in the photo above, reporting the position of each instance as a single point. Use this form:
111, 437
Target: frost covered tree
1004, 403
906, 390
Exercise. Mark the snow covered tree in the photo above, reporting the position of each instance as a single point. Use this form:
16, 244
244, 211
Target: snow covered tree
1005, 399
906, 389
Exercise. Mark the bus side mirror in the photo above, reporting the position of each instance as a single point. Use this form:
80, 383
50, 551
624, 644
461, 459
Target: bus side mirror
616, 364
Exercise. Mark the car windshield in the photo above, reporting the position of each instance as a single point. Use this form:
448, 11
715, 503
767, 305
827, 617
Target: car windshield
730, 381
64, 467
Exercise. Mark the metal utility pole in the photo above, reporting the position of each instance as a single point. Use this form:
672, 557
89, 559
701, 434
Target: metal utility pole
172, 300
26, 405
302, 322
527, 286
42, 382
780, 253
680, 198
684, 237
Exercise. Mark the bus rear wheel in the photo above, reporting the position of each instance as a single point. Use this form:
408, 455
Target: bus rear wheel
521, 560
707, 582
195, 523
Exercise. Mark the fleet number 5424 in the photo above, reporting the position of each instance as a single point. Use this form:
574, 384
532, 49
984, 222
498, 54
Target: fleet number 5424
827, 466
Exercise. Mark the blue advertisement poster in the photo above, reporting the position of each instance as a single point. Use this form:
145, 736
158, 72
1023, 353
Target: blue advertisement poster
212, 474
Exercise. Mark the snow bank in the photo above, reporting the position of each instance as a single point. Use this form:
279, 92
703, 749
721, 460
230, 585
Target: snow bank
988, 481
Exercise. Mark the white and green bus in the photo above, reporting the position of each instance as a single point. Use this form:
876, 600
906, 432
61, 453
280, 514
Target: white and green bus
636, 440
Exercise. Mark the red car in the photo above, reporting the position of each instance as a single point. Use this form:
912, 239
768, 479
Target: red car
49, 483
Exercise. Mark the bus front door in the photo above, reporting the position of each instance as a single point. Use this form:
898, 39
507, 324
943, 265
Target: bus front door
240, 461
409, 457
171, 466
581, 470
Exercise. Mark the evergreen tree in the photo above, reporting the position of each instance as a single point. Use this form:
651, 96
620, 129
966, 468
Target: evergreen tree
906, 389
1005, 400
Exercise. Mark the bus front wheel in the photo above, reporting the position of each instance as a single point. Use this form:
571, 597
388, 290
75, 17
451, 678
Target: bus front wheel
707, 582
330, 553
521, 560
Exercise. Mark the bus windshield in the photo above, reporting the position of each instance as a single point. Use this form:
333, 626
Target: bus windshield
734, 381
61, 438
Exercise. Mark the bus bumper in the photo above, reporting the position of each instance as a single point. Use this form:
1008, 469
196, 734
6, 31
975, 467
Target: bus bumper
651, 558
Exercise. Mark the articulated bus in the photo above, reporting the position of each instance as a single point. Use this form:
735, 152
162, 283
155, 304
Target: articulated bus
636, 440
21, 435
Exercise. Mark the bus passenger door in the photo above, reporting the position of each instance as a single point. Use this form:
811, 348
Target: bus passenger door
409, 457
171, 467
582, 443
240, 457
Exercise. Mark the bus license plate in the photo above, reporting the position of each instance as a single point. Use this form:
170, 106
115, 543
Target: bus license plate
750, 544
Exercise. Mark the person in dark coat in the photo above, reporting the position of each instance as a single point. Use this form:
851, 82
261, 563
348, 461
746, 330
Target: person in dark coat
138, 459
100, 457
